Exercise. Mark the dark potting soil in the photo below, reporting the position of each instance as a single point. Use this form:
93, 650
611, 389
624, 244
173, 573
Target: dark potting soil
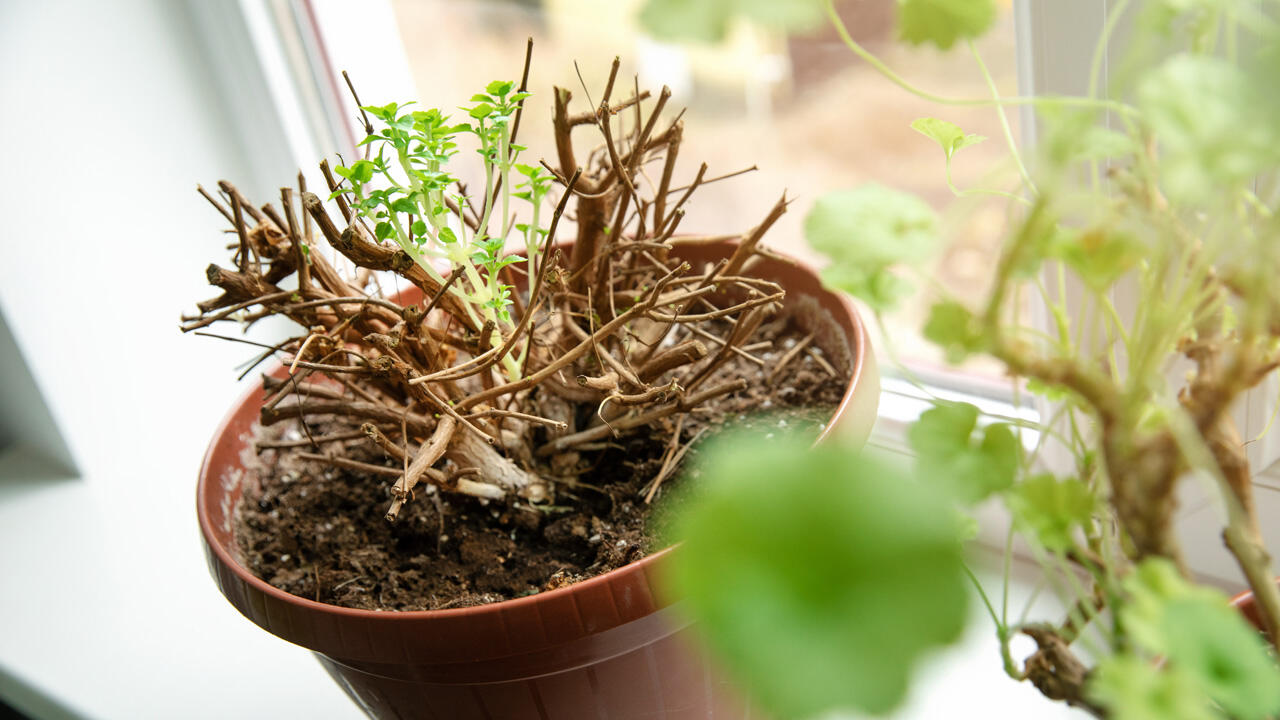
319, 532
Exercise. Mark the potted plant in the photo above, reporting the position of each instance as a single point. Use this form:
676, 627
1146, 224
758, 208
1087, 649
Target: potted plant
444, 491
1151, 249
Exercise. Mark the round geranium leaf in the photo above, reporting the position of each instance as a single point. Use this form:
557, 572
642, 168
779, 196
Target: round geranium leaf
818, 575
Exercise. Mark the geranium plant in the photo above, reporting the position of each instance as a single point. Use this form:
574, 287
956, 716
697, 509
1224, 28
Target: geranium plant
1152, 249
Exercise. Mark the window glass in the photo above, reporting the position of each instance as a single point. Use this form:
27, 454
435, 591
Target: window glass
803, 109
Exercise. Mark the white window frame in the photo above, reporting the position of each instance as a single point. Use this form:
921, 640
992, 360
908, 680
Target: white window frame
1056, 42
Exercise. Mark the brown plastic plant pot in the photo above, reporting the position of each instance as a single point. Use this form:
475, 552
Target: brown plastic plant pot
1246, 606
610, 647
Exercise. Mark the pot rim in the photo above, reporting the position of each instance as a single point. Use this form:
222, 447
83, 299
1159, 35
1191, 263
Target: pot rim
861, 371
1244, 598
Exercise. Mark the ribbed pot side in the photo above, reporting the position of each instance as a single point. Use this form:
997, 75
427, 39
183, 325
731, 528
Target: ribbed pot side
608, 648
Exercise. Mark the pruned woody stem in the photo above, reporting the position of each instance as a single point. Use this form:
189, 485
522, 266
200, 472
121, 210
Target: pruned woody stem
475, 406
1143, 462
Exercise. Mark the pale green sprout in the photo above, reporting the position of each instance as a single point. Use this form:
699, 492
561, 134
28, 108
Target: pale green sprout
950, 137
403, 187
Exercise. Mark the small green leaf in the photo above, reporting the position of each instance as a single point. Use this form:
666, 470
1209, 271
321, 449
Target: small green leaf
792, 16
872, 225
683, 21
499, 87
966, 525
481, 111
954, 328
943, 22
818, 574
386, 113
1098, 255
1226, 657
970, 465
447, 236
360, 172
1211, 124
1100, 142
404, 205
866, 231
707, 21
1072, 136
1041, 233
383, 230
1048, 392
947, 134
1151, 587
880, 289
1137, 689
1049, 509
1202, 638
418, 228
1229, 319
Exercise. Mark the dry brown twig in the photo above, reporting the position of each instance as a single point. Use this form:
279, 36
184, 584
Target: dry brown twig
382, 357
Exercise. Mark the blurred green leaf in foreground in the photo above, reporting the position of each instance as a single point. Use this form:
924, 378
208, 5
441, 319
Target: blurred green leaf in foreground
820, 575
866, 232
1208, 652
708, 21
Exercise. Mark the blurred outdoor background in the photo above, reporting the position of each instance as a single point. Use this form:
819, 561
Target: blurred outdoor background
803, 109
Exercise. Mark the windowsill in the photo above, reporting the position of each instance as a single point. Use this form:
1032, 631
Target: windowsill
109, 610
901, 402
